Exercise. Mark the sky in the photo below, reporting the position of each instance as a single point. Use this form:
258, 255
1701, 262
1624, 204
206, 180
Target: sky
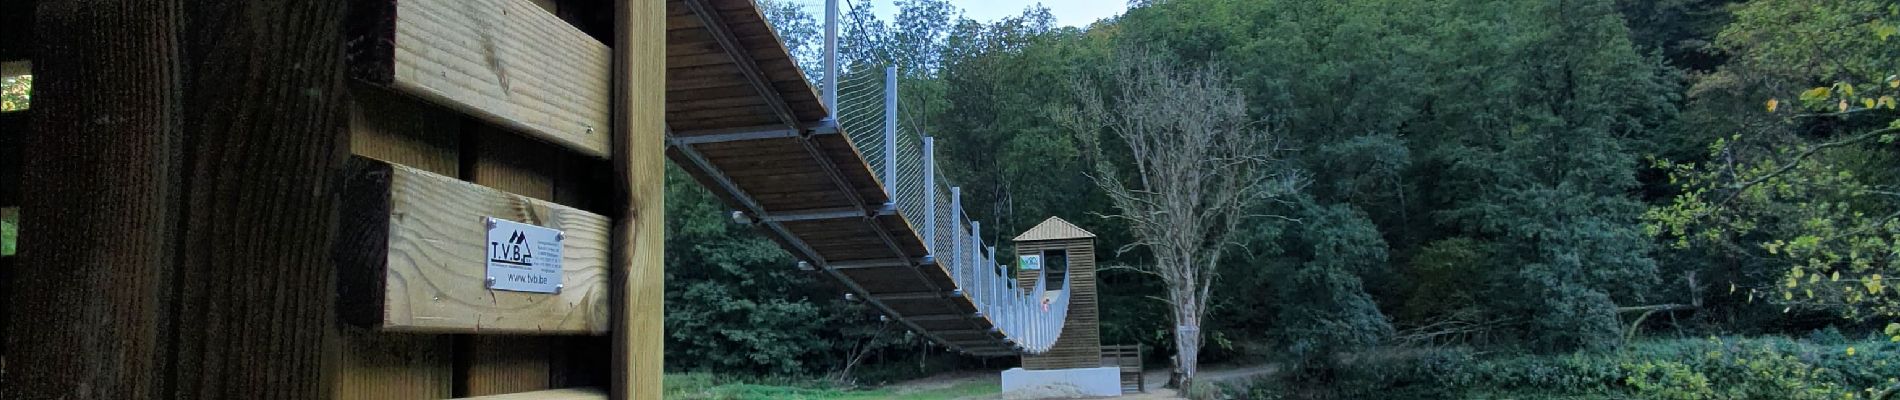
1077, 13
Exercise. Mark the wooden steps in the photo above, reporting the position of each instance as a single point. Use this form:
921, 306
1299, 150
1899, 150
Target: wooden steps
1128, 357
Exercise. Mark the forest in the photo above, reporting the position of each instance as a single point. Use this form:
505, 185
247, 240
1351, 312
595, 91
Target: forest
1682, 199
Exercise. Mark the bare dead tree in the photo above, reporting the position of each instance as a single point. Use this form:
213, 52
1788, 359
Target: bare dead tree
1198, 167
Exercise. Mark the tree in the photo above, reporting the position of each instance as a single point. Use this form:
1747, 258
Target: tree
1805, 193
802, 33
735, 304
1324, 307
1198, 167
16, 93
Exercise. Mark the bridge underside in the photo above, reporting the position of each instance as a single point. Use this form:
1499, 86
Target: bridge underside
744, 123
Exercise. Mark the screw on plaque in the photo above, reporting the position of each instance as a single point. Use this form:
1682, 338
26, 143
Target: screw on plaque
557, 288
560, 236
491, 282
490, 222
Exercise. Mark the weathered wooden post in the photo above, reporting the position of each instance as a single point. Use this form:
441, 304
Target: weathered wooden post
639, 133
180, 170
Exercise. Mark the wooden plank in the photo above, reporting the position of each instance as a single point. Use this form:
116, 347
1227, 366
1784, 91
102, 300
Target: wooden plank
580, 361
507, 62
402, 130
17, 43
639, 161
191, 227
510, 163
415, 259
556, 394
14, 128
6, 278
393, 366
504, 364
9, 69
1079, 345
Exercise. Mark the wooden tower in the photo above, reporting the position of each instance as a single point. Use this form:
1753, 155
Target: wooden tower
1047, 251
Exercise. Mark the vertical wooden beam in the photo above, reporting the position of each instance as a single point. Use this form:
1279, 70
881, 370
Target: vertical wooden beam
639, 136
17, 43
102, 207
495, 364
184, 165
389, 127
264, 108
393, 365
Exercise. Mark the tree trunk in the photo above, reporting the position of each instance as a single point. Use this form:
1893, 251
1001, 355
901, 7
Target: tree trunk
1187, 338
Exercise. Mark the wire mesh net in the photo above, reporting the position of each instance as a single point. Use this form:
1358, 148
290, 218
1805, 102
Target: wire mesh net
866, 93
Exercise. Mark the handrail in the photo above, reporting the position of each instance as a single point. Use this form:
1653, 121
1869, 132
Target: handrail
865, 104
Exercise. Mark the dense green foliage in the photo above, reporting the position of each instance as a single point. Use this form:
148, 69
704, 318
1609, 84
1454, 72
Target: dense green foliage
1503, 175
16, 93
9, 231
1799, 204
1685, 369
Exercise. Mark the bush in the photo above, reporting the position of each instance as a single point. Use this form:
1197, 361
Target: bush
1686, 369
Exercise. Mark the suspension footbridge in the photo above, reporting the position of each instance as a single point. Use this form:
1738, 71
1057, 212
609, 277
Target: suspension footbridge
833, 179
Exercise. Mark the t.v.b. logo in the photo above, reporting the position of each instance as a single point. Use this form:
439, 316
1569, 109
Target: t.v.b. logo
513, 251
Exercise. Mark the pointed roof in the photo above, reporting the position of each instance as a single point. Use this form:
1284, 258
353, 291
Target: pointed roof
1054, 229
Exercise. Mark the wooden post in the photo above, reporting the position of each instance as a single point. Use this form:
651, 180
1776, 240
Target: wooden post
183, 164
639, 134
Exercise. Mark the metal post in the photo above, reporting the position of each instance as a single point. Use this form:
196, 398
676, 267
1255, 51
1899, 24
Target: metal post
996, 280
981, 280
930, 194
890, 130
1015, 309
956, 246
831, 57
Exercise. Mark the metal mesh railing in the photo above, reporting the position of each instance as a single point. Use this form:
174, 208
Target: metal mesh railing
861, 113
902, 160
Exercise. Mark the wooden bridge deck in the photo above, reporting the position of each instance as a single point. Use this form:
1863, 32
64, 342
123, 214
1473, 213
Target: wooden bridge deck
744, 123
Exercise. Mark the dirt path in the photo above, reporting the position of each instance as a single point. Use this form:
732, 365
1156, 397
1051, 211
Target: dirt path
1155, 379
1213, 373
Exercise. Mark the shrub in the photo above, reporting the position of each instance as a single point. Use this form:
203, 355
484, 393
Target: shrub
1667, 380
1686, 369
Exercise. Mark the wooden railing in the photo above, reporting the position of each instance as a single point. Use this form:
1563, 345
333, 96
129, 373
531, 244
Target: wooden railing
1128, 357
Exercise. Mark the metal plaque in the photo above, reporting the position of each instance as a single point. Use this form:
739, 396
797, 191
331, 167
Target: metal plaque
523, 257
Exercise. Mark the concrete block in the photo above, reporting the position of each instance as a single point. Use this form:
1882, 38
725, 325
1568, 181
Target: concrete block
1077, 382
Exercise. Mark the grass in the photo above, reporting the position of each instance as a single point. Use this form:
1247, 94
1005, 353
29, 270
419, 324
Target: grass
712, 387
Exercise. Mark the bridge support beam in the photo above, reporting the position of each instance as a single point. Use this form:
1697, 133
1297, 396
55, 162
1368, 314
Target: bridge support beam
828, 213
886, 263
913, 296
827, 127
